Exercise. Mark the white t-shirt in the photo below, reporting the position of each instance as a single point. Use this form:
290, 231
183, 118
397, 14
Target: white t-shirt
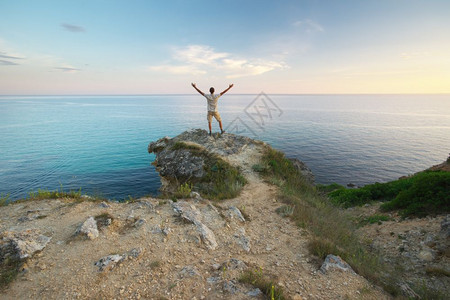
212, 101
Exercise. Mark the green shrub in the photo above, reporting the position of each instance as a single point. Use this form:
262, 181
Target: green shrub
424, 193
4, 199
428, 194
374, 219
41, 194
184, 190
328, 188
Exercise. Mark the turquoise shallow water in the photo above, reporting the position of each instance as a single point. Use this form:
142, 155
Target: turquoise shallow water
99, 144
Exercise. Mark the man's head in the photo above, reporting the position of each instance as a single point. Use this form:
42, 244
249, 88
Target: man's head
211, 90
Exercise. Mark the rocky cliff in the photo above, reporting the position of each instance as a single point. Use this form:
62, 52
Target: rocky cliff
188, 248
192, 156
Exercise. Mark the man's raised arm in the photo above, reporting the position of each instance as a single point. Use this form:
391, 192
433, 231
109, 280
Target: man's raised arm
231, 85
195, 87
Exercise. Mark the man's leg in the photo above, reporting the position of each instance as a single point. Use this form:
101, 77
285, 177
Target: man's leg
209, 125
221, 129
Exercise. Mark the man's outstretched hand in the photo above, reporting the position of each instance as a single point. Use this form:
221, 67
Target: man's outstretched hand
193, 84
231, 85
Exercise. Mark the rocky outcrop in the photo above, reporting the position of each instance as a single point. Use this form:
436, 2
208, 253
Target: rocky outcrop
192, 154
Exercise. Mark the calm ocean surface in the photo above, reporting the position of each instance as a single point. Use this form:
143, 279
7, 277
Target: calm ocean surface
99, 143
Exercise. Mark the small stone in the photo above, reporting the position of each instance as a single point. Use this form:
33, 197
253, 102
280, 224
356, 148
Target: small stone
335, 262
189, 271
235, 212
89, 228
254, 293
195, 195
139, 223
108, 262
426, 255
104, 205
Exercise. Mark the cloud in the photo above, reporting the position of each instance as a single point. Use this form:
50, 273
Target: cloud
68, 69
201, 59
10, 56
7, 63
72, 28
309, 26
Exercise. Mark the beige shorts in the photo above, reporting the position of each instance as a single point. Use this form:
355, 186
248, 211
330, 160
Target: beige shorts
214, 114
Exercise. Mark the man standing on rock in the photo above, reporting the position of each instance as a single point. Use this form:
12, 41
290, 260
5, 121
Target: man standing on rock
212, 105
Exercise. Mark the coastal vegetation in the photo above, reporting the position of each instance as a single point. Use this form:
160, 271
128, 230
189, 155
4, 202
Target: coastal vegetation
419, 195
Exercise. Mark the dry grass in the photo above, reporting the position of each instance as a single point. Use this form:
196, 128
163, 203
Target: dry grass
333, 229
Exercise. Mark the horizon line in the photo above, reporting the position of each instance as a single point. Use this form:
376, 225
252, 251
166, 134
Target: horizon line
191, 94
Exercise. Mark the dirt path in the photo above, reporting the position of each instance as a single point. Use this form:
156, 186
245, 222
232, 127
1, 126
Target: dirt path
177, 265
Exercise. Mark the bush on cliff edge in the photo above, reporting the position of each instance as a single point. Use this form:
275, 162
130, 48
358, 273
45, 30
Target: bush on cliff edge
424, 193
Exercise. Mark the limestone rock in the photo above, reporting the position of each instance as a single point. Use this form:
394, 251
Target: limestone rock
333, 262
230, 286
189, 271
191, 214
139, 223
89, 228
254, 293
187, 211
234, 212
23, 244
108, 262
207, 236
234, 264
242, 239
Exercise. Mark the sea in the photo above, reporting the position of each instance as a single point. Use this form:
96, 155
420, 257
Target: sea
99, 143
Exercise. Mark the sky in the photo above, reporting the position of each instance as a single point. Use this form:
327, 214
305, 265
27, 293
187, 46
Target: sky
278, 47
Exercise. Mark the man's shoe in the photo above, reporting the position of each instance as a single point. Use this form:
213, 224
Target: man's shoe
223, 131
210, 134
